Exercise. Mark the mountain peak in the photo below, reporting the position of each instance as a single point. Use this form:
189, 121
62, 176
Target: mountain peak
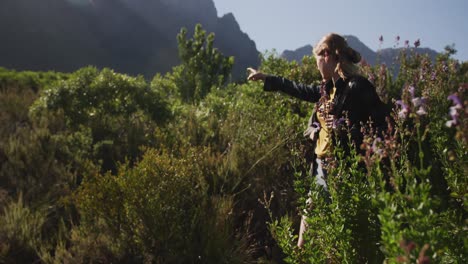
229, 19
229, 16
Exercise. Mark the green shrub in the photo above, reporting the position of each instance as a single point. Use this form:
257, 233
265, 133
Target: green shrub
120, 111
203, 66
159, 211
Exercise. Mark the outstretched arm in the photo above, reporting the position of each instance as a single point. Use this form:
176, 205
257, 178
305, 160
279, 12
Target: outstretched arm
309, 93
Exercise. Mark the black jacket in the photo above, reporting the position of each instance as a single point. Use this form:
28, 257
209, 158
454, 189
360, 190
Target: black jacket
355, 97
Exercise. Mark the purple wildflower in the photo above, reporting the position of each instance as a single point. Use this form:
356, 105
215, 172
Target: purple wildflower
407, 43
404, 109
451, 123
397, 38
421, 111
381, 39
456, 101
338, 122
417, 43
418, 101
453, 112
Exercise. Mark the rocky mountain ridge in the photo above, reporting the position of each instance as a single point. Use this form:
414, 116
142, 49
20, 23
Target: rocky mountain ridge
130, 36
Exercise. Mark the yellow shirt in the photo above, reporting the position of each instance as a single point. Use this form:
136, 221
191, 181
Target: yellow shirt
323, 146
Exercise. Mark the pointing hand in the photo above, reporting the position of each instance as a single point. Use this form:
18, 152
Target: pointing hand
255, 75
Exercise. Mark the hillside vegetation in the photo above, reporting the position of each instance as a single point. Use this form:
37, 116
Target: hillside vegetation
102, 167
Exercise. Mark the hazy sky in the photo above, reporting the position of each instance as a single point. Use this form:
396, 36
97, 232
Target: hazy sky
281, 24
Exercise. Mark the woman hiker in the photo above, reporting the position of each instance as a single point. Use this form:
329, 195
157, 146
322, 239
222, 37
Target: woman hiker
343, 93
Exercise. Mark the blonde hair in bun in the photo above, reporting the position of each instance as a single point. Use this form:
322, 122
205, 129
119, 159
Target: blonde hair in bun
346, 56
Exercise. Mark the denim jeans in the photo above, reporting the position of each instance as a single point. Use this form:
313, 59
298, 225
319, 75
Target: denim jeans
320, 174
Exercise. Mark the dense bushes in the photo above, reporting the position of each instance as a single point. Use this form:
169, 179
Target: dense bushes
160, 211
119, 111
97, 166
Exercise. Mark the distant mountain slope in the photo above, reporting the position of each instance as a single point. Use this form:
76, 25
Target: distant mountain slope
33, 38
130, 36
388, 56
